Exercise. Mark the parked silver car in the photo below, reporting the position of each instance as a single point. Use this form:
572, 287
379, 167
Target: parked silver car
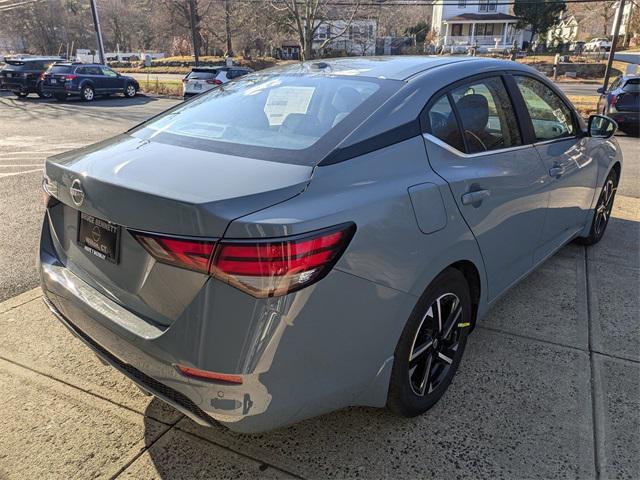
202, 79
321, 234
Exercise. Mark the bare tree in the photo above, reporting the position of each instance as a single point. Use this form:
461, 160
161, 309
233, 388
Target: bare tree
606, 11
305, 17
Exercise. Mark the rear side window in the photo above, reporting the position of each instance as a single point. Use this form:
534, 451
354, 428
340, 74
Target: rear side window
200, 75
443, 125
550, 116
632, 85
62, 69
487, 116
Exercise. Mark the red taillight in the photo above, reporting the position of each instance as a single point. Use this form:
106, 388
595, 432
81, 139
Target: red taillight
190, 254
42, 76
206, 375
185, 80
262, 268
613, 99
276, 267
68, 78
214, 82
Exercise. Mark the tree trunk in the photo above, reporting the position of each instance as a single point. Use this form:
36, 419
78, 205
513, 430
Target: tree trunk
195, 30
227, 25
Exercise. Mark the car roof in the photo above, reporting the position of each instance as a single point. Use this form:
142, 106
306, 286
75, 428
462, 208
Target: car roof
385, 67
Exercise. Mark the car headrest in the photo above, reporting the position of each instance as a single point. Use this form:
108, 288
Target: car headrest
474, 111
346, 99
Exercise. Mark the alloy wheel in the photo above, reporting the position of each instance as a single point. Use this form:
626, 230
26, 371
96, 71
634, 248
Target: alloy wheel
131, 91
435, 344
88, 94
605, 204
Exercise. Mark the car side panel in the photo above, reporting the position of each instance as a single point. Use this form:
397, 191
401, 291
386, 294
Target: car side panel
373, 191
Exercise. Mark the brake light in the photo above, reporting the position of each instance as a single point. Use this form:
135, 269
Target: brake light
214, 82
206, 375
189, 254
613, 99
274, 267
42, 76
261, 268
68, 78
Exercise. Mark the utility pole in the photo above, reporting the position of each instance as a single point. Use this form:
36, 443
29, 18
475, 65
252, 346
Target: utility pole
96, 24
193, 14
614, 44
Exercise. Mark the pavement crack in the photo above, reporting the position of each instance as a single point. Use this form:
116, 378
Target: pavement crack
124, 467
26, 367
596, 382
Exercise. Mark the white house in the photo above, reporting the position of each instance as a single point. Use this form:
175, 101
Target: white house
565, 31
357, 38
486, 24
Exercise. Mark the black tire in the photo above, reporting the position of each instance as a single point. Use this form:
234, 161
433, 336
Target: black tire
130, 90
87, 94
602, 212
42, 94
20, 94
409, 395
61, 97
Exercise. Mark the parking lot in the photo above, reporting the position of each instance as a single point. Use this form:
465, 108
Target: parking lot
549, 386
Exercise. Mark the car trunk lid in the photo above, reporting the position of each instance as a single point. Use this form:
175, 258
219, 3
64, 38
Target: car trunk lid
142, 185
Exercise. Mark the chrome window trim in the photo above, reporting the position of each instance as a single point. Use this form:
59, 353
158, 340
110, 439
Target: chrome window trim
457, 152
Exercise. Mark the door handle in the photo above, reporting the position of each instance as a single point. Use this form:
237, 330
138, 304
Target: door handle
476, 196
556, 171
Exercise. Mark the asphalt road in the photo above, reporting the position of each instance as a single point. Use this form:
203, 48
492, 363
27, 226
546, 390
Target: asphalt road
32, 129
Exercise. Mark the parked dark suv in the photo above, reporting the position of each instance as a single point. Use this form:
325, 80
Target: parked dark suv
22, 75
622, 103
86, 81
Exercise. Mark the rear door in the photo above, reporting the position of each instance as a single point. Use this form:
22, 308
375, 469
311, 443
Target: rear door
570, 171
474, 141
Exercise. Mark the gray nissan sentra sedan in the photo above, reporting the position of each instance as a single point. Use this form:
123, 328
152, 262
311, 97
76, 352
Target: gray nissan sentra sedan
321, 234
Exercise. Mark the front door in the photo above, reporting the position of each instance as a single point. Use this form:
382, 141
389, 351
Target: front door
474, 142
572, 173
111, 81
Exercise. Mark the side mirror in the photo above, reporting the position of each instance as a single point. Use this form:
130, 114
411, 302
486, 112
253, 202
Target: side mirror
601, 126
600, 90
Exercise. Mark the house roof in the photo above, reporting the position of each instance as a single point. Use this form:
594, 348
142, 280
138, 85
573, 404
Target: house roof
483, 17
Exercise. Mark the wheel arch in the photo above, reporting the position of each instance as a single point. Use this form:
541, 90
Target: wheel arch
472, 276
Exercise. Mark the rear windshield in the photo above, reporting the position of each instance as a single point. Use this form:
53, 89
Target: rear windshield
19, 65
632, 85
203, 75
61, 69
273, 117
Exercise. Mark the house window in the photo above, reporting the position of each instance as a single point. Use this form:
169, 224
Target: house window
484, 29
487, 5
456, 30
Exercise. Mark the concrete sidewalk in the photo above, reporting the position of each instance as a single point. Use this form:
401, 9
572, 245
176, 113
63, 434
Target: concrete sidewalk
549, 388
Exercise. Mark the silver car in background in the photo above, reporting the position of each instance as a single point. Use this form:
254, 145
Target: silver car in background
203, 79
319, 235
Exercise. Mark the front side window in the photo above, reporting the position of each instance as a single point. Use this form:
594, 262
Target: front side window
550, 116
108, 72
487, 116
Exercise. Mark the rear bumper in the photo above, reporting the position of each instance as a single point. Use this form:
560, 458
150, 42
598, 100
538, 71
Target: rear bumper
299, 356
18, 85
626, 119
57, 90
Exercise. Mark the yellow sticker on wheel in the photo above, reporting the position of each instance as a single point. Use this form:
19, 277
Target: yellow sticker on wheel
465, 324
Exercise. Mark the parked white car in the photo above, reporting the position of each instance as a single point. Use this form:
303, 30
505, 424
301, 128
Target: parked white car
597, 45
201, 79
